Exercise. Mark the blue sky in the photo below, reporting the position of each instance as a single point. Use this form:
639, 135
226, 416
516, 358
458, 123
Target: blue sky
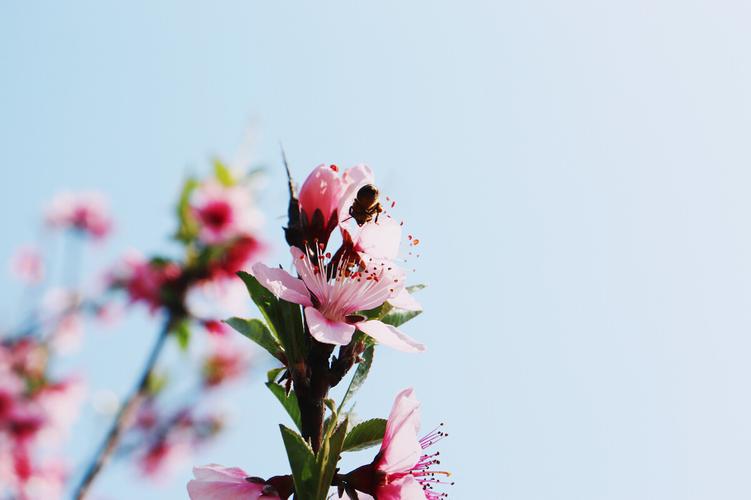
578, 173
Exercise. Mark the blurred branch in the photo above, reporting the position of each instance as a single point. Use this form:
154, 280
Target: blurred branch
124, 414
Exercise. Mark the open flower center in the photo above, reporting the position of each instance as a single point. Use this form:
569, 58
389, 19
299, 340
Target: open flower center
346, 284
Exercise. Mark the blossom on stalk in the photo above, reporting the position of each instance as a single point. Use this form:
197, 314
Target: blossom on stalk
322, 202
85, 212
215, 482
402, 469
334, 292
144, 280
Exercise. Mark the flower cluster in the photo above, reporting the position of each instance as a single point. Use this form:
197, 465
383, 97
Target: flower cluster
36, 410
218, 228
346, 289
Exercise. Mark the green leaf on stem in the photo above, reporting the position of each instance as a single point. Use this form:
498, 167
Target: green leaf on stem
288, 401
223, 174
284, 318
257, 331
365, 434
271, 375
302, 461
397, 317
328, 457
187, 229
182, 334
361, 373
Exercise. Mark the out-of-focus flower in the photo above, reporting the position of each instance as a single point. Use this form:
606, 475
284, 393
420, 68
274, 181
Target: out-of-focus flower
67, 335
225, 361
217, 299
214, 482
402, 469
85, 212
36, 411
27, 265
239, 254
144, 280
224, 212
333, 297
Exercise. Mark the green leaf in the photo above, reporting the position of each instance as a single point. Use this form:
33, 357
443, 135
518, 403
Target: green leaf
328, 457
302, 461
284, 318
156, 383
271, 375
223, 174
182, 334
415, 288
361, 373
187, 228
289, 402
256, 331
397, 317
365, 434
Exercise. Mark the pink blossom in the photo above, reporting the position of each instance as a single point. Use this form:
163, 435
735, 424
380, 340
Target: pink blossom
163, 457
27, 265
224, 212
402, 469
333, 297
144, 280
225, 362
321, 192
215, 482
85, 212
323, 199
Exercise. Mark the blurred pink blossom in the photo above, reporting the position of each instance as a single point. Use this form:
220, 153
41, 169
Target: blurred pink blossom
86, 212
27, 265
224, 212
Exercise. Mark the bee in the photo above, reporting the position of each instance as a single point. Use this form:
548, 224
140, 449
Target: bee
366, 205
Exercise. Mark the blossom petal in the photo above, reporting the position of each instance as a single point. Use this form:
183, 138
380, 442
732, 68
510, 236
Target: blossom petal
404, 300
222, 490
282, 284
390, 336
329, 332
321, 190
216, 482
404, 488
400, 449
216, 472
379, 240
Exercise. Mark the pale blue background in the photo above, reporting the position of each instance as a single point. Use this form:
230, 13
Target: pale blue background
578, 172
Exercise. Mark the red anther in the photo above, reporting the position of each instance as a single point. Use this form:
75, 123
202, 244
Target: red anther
334, 168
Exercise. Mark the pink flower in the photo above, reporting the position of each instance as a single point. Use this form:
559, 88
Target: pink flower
332, 297
224, 212
144, 280
402, 469
27, 265
323, 199
225, 362
85, 212
215, 482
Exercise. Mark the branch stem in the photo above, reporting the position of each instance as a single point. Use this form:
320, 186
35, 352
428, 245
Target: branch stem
124, 415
